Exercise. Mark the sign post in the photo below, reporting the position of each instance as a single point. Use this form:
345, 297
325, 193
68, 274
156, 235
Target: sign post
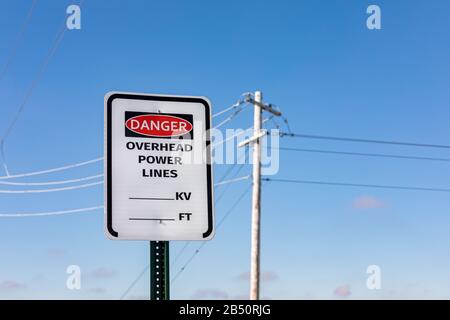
159, 270
158, 174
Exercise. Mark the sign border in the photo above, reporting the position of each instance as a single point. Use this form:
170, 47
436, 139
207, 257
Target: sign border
109, 98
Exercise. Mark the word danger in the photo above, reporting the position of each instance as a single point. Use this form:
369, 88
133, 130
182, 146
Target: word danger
158, 125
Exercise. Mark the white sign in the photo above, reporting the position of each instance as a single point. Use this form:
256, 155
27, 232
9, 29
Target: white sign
158, 173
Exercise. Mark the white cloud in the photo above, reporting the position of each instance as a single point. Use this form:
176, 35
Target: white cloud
342, 291
210, 294
11, 285
265, 276
368, 202
104, 272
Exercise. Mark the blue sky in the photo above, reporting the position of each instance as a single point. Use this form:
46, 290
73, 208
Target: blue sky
318, 62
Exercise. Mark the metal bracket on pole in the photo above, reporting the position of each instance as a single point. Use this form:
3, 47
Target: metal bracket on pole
266, 107
159, 270
255, 137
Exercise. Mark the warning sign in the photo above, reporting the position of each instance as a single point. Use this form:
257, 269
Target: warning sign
158, 175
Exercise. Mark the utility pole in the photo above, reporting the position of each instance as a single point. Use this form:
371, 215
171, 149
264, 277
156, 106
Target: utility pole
256, 200
258, 133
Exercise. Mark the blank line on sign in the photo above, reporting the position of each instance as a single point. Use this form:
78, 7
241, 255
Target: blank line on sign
153, 219
137, 198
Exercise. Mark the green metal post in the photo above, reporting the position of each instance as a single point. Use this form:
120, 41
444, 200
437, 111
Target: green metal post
159, 270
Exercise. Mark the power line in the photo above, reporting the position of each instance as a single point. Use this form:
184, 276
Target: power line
238, 103
345, 184
81, 186
380, 155
30, 90
2, 156
222, 220
285, 120
233, 106
35, 81
241, 166
229, 170
134, 282
410, 144
71, 166
242, 156
47, 183
277, 126
188, 262
231, 117
238, 200
237, 134
224, 182
180, 253
232, 180
17, 39
50, 213
63, 168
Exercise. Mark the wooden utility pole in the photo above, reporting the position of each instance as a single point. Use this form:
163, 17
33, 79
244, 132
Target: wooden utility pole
256, 199
258, 133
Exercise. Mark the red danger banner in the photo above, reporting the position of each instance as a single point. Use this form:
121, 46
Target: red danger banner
157, 125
